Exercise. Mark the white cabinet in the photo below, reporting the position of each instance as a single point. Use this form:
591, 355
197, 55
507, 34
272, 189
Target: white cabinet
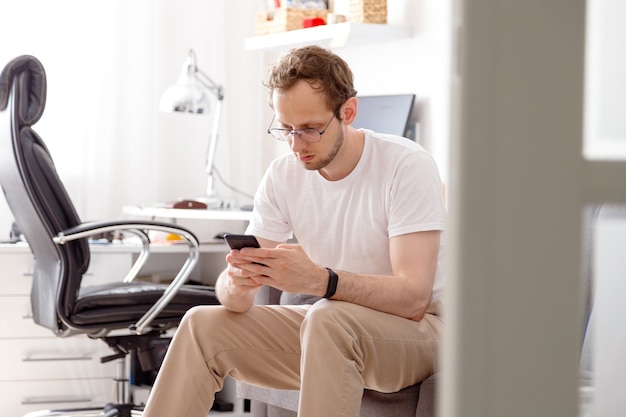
39, 369
21, 397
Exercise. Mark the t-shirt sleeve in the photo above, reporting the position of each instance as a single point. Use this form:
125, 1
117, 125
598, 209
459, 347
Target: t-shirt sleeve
416, 199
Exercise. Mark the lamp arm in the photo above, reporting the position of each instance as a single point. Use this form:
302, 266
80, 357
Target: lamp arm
209, 84
210, 160
218, 90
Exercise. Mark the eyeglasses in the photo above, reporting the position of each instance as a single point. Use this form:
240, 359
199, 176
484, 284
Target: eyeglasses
307, 134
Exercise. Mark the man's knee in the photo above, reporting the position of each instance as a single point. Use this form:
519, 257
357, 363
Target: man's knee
328, 316
203, 318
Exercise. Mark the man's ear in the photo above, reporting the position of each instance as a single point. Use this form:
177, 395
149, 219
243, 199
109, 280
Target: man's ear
349, 110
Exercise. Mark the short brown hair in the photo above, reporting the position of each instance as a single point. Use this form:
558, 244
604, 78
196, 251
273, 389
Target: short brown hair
318, 66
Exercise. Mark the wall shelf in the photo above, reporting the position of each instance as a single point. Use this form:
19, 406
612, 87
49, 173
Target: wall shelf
334, 36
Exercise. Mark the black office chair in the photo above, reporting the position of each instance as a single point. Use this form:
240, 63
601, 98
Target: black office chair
59, 242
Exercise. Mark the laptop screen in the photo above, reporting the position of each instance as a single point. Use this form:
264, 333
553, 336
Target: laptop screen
386, 114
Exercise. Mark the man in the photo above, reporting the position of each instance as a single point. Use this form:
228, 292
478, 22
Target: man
368, 213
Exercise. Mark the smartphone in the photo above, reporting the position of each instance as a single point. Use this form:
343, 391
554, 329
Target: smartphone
241, 241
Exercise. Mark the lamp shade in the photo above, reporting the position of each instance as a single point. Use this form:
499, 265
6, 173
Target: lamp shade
188, 95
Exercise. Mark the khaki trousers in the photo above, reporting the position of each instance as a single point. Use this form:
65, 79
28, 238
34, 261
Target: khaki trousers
330, 351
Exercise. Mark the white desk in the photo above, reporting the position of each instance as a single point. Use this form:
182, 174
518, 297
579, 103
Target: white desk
205, 224
197, 214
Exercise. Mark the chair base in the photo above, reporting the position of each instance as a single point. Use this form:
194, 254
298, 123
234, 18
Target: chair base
121, 406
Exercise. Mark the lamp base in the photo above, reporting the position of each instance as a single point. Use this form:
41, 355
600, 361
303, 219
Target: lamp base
188, 204
202, 203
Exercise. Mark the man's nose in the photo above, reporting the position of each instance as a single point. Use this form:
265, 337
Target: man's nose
297, 144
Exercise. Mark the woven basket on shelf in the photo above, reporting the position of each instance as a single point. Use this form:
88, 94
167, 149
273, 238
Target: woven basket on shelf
285, 18
368, 11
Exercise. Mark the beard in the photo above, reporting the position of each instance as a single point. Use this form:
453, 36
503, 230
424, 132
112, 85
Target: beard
329, 157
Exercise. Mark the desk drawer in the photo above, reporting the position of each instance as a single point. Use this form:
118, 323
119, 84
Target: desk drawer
17, 319
54, 358
17, 269
20, 398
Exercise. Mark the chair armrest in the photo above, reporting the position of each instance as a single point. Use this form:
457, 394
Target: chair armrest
88, 229
92, 228
139, 228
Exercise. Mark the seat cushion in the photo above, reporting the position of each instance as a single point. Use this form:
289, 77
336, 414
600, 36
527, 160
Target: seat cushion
415, 401
397, 404
286, 399
106, 304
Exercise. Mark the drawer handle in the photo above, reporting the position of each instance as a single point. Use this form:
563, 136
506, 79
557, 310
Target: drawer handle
55, 400
56, 358
31, 274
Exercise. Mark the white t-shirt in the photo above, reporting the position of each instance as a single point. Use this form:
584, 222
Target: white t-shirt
346, 224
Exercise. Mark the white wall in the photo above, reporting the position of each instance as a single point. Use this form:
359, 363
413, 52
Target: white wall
109, 61
605, 89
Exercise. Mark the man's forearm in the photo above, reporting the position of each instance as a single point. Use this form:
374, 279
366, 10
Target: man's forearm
401, 296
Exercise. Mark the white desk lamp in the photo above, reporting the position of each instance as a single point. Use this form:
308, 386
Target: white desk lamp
189, 95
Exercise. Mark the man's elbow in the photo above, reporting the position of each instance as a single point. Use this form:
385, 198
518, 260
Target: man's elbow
418, 315
418, 308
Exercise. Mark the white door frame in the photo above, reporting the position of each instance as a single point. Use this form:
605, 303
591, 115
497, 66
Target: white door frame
518, 185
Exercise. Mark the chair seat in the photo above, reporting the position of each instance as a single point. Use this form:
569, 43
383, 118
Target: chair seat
125, 303
416, 400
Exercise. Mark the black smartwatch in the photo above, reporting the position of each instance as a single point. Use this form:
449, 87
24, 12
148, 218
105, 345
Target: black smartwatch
332, 283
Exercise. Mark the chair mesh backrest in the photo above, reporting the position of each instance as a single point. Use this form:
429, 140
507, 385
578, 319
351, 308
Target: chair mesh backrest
36, 195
